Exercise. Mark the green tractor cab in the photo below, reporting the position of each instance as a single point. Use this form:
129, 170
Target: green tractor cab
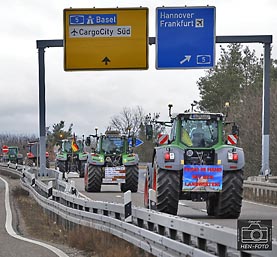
198, 163
112, 162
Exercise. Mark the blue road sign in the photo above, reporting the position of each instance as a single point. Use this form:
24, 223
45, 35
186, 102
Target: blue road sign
138, 142
185, 37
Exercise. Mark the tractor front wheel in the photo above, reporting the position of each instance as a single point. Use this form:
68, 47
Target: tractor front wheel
211, 204
81, 168
94, 178
131, 180
47, 163
62, 166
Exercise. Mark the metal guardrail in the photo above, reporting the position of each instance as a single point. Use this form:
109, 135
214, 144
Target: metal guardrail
158, 233
258, 191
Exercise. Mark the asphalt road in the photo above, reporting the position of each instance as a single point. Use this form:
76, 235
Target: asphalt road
188, 209
14, 245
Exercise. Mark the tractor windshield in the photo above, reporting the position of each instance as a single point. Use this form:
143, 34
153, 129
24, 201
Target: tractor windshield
12, 150
199, 133
80, 144
34, 148
68, 145
112, 145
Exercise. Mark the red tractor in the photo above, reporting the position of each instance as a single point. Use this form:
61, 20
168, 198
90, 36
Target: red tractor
33, 155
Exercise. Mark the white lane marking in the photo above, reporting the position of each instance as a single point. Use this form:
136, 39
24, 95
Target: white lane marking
264, 205
12, 233
183, 204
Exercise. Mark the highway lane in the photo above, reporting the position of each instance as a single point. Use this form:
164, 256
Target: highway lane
188, 209
13, 245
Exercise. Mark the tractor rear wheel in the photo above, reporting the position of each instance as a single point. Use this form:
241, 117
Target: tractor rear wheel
94, 178
168, 190
29, 162
81, 168
230, 198
20, 161
62, 166
131, 180
47, 163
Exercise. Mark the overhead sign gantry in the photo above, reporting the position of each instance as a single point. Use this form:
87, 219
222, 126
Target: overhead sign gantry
104, 39
138, 15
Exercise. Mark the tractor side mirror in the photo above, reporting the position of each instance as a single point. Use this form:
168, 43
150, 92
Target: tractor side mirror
235, 130
88, 141
133, 141
149, 132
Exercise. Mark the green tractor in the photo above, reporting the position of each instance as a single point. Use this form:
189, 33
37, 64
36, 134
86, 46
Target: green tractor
112, 162
197, 163
14, 156
71, 157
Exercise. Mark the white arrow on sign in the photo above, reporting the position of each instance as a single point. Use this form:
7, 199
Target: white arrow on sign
187, 58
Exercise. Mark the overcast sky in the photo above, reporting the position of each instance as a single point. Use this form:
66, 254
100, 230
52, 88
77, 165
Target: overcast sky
89, 99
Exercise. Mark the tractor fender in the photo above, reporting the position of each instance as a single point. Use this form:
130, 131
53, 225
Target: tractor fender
61, 158
95, 160
131, 162
83, 157
176, 164
222, 157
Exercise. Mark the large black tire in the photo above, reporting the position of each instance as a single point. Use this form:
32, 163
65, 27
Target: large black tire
94, 178
81, 168
168, 191
131, 181
29, 162
47, 163
212, 204
20, 161
230, 198
62, 166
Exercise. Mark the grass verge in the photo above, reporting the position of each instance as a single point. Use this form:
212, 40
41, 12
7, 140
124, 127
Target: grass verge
91, 242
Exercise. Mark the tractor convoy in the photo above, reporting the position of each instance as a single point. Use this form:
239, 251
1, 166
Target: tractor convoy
196, 163
112, 161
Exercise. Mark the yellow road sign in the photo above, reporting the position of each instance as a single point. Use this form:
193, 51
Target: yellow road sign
104, 39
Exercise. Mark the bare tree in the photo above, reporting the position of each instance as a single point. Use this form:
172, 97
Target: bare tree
128, 121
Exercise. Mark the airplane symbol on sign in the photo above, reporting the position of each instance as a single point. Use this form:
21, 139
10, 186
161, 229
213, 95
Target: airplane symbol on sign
199, 23
74, 32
